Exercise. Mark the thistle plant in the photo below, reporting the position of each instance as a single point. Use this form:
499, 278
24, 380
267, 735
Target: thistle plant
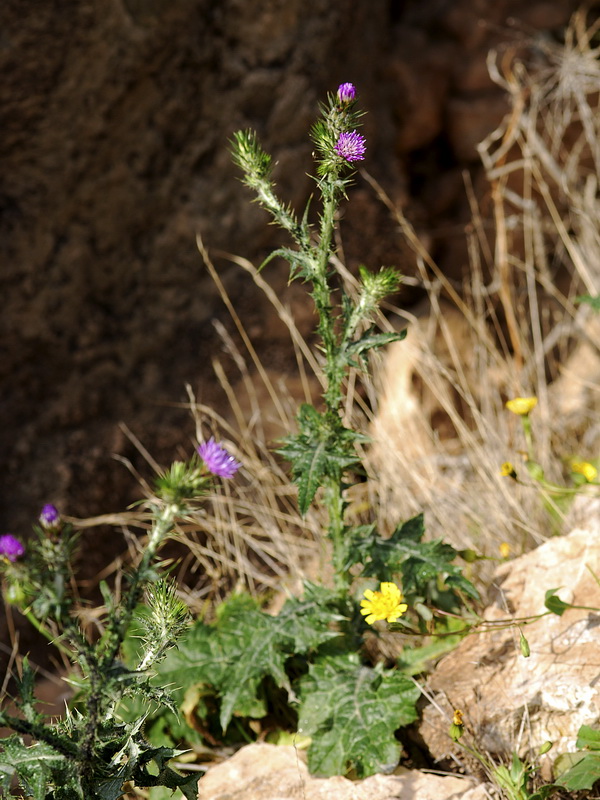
314, 650
308, 668
93, 751
323, 451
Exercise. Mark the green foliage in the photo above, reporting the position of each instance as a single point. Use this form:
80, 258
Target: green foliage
369, 340
243, 648
554, 603
322, 449
226, 671
91, 752
593, 301
513, 780
136, 694
420, 563
36, 767
351, 712
581, 770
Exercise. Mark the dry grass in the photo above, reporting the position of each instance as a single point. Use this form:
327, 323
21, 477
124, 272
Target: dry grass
513, 328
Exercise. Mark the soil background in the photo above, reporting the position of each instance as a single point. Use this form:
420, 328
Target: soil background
115, 121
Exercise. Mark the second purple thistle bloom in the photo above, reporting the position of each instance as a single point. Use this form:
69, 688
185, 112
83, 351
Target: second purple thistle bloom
351, 146
217, 459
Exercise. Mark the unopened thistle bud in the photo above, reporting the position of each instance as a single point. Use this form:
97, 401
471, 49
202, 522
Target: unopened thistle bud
167, 620
49, 517
346, 93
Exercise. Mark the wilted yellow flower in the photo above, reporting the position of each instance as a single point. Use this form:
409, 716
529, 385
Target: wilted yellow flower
385, 604
589, 471
507, 470
456, 729
504, 549
521, 405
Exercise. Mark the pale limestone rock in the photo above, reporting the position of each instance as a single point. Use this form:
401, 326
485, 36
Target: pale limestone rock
515, 703
271, 772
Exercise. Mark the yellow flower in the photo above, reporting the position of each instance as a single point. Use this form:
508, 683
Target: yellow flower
457, 719
504, 549
521, 405
589, 471
385, 604
507, 470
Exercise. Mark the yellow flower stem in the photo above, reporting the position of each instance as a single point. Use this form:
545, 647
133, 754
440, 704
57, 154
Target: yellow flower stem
526, 423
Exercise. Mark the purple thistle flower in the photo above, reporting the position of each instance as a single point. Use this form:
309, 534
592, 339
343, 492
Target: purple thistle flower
346, 93
10, 547
218, 460
351, 146
49, 518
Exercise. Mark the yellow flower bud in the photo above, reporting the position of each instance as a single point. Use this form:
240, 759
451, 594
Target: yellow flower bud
457, 728
521, 405
504, 549
508, 471
589, 471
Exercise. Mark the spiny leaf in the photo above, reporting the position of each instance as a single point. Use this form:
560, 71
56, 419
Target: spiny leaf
321, 449
38, 767
404, 552
301, 264
351, 712
368, 341
245, 646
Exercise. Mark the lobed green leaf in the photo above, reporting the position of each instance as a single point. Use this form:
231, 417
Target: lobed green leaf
351, 712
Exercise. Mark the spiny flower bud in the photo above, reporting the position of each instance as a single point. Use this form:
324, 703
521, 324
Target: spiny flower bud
49, 517
346, 93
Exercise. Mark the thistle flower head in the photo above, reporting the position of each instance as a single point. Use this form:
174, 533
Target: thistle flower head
521, 405
385, 604
49, 517
10, 547
217, 459
351, 146
346, 93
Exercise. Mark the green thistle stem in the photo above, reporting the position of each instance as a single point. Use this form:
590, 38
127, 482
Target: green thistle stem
335, 505
162, 526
